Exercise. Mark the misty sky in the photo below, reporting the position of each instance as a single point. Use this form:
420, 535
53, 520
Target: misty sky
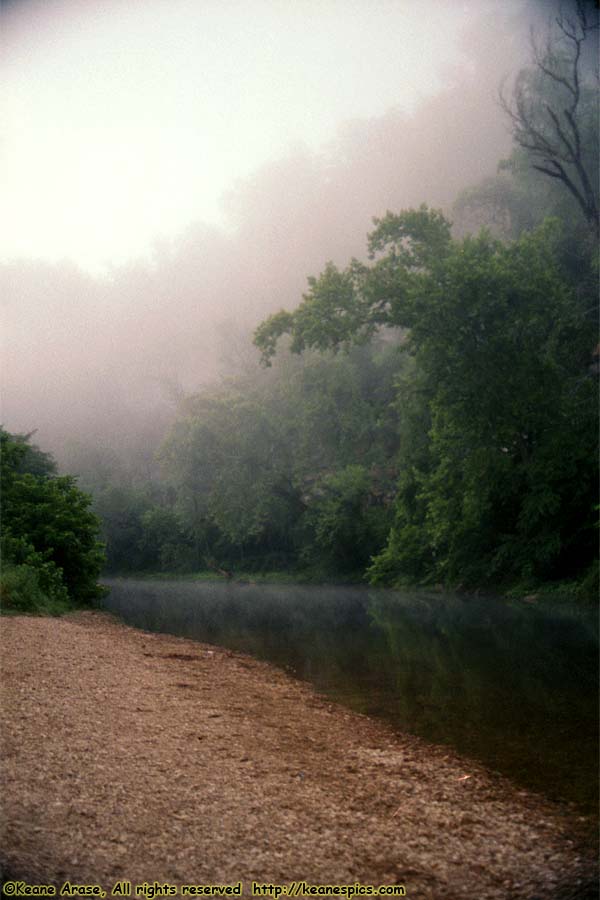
127, 119
173, 170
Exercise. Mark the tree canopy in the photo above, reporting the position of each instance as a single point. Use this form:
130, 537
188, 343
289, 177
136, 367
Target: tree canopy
435, 420
504, 482
50, 549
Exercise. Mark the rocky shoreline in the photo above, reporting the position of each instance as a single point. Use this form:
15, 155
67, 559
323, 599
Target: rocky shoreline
129, 756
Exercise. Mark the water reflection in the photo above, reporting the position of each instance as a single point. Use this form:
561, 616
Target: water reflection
512, 685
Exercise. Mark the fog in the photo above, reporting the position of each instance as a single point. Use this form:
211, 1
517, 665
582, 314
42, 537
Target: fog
99, 352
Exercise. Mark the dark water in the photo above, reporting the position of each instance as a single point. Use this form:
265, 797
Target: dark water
513, 685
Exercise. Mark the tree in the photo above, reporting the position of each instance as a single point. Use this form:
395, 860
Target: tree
229, 458
48, 530
553, 110
261, 464
348, 520
503, 486
349, 307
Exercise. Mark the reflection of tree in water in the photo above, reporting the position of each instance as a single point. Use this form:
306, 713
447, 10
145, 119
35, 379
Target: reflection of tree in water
512, 686
515, 687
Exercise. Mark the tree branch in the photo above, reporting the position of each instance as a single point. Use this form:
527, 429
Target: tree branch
551, 131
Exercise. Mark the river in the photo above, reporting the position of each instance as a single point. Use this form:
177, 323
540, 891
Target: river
514, 685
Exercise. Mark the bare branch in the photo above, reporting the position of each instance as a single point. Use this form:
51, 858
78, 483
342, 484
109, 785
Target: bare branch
548, 129
561, 135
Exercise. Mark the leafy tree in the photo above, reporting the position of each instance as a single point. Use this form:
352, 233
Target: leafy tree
252, 460
343, 308
49, 534
229, 459
164, 544
515, 200
348, 520
22, 457
121, 509
502, 340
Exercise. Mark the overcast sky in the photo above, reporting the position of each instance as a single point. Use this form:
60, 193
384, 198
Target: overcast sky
125, 120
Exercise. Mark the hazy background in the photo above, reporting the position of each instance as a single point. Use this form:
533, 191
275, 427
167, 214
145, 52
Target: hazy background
173, 171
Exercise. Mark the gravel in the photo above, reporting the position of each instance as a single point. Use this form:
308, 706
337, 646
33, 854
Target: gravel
146, 757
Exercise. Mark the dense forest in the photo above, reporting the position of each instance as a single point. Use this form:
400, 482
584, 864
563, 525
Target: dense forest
427, 415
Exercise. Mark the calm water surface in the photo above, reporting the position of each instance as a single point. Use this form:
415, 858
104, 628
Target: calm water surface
513, 685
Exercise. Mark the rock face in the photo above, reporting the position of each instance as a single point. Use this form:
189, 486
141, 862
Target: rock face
146, 757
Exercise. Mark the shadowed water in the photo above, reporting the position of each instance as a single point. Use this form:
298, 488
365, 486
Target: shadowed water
513, 685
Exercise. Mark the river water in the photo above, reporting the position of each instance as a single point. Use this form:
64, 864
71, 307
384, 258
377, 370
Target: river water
514, 685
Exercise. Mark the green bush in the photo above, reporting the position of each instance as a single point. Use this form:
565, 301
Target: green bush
21, 592
50, 551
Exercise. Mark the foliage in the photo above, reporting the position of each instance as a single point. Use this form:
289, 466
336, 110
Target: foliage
21, 592
502, 341
348, 307
454, 441
49, 535
257, 464
347, 520
455, 438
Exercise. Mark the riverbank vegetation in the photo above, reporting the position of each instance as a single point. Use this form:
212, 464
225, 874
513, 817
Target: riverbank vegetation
427, 415
51, 558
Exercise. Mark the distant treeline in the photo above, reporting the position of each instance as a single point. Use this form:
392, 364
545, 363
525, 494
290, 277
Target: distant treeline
458, 446
428, 417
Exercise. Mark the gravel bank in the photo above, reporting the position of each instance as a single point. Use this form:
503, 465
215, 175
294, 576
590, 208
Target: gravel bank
128, 755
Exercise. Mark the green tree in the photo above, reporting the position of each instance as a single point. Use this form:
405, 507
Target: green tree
348, 520
48, 530
164, 544
250, 460
503, 485
229, 459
